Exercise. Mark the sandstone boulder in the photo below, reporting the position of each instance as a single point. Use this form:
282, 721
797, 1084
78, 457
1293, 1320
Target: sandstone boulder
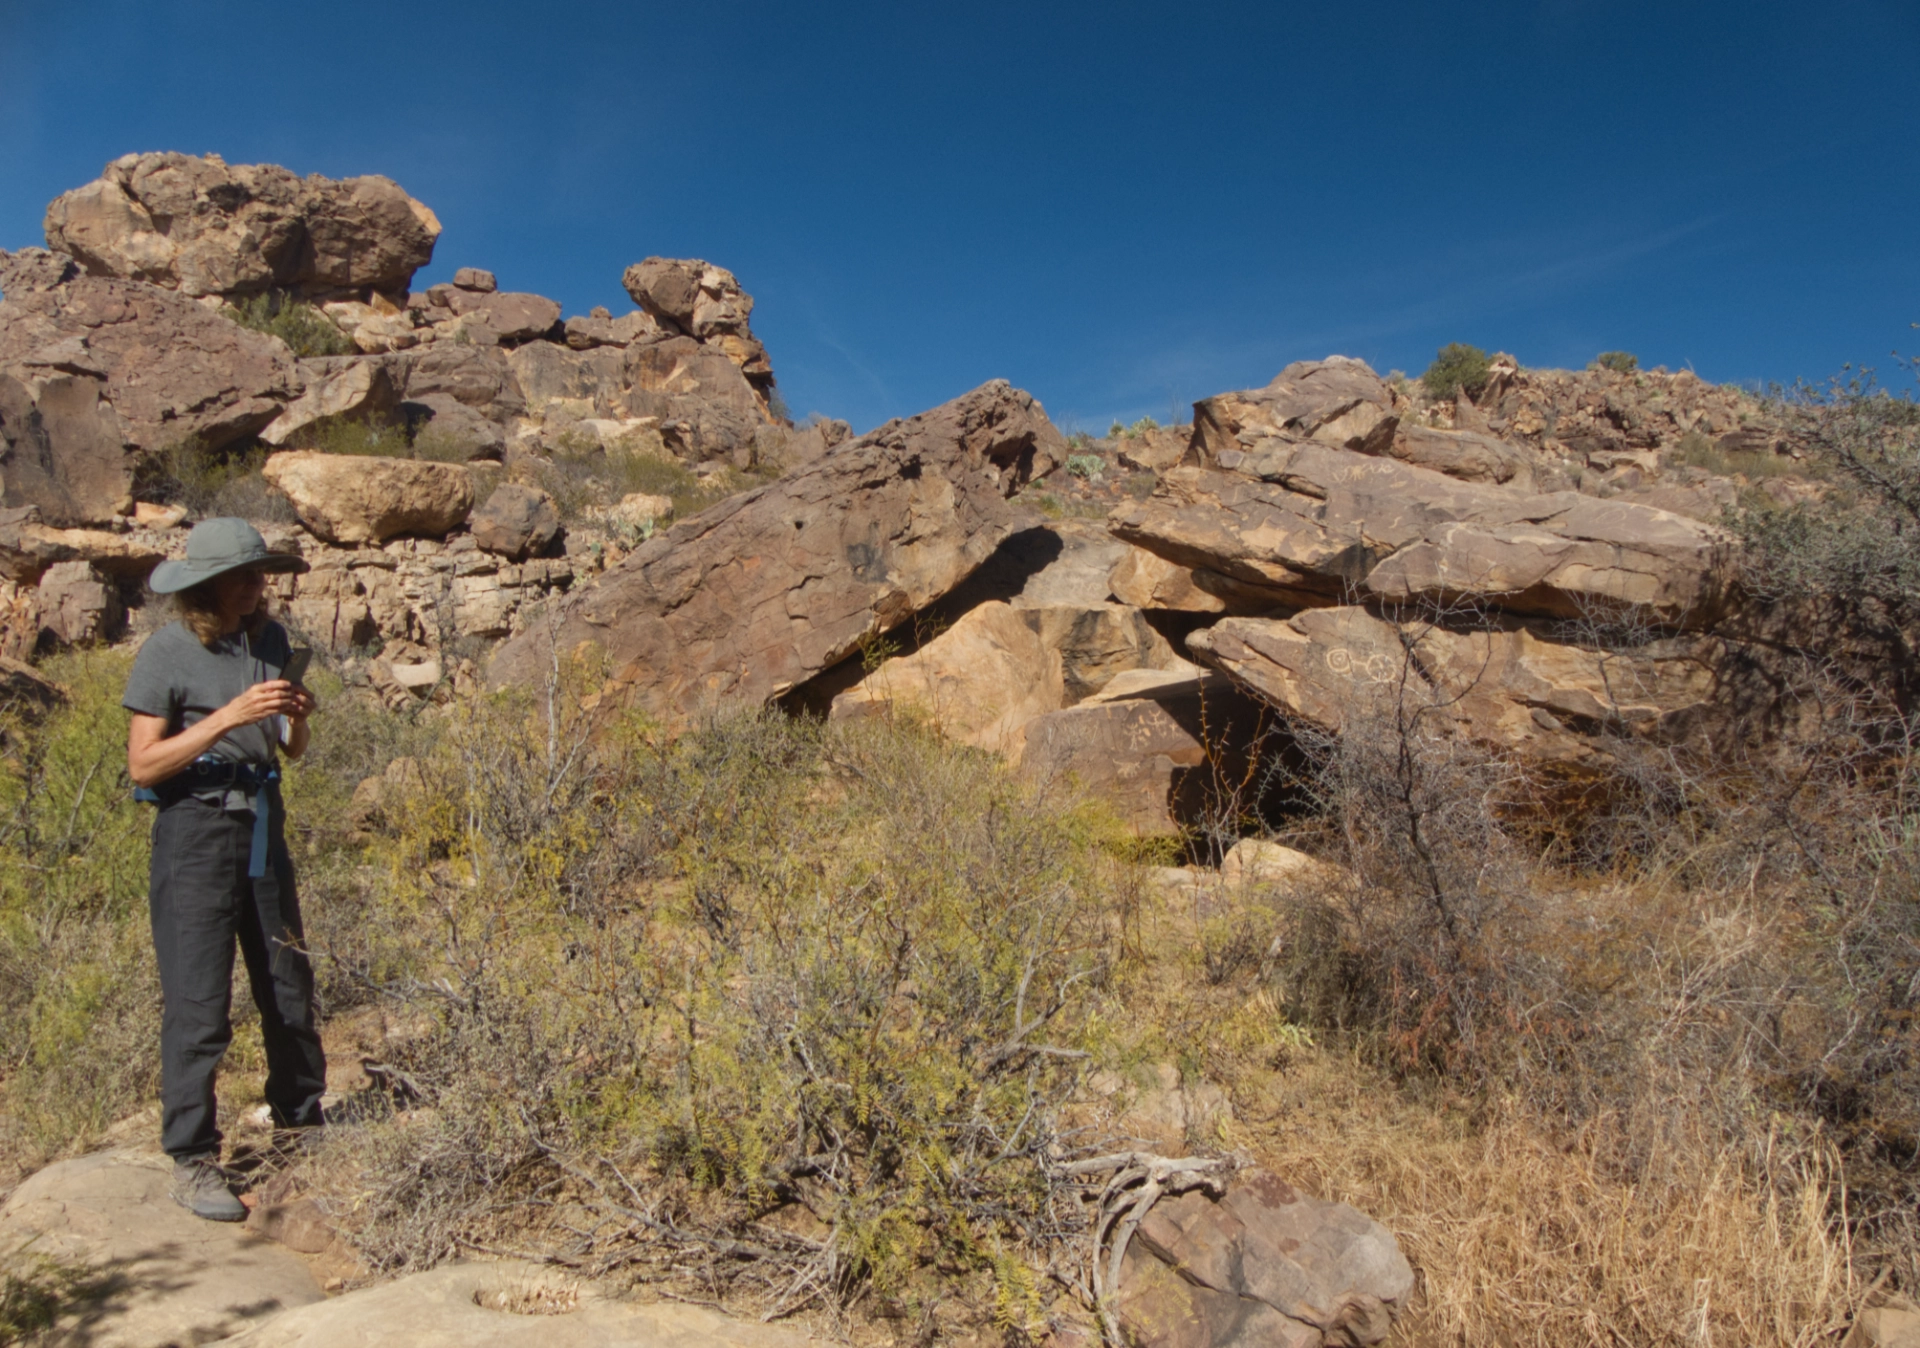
202, 227
94, 372
28, 548
511, 1304
977, 683
602, 329
476, 279
78, 605
1266, 1264
766, 590
516, 522
1154, 450
512, 316
1507, 687
353, 498
1338, 401
358, 390
1257, 863
1308, 524
1467, 455
706, 303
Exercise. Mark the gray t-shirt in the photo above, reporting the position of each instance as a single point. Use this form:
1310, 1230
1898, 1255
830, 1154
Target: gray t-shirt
182, 681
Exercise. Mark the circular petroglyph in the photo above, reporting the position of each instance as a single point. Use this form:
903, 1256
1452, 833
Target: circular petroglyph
1340, 660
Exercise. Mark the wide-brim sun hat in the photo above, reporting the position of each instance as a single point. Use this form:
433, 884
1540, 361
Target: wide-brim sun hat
216, 547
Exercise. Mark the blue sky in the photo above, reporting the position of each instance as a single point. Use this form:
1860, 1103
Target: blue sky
1121, 207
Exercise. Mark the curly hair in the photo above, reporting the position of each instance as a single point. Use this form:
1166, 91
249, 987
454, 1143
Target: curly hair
199, 610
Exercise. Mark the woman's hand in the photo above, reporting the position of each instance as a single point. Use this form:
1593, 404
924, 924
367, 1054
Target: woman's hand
275, 697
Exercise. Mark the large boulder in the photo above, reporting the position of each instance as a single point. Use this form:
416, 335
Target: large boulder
95, 372
706, 303
979, 682
1337, 401
1263, 1265
203, 227
1509, 687
1303, 523
356, 498
762, 592
339, 390
516, 522
512, 316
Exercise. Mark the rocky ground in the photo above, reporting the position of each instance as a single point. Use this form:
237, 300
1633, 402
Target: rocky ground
1536, 569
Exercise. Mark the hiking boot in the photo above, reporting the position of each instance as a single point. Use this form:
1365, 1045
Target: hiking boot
200, 1186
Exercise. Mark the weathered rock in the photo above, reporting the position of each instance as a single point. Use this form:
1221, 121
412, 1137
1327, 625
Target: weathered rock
1257, 863
505, 1305
1885, 1327
1155, 744
810, 441
1149, 581
77, 605
34, 269
516, 522
1313, 525
147, 515
203, 227
28, 548
1338, 401
352, 498
1154, 450
479, 377
1506, 687
639, 509
25, 689
359, 390
169, 1277
94, 371
475, 278
705, 302
1263, 1264
1467, 455
979, 682
1094, 642
602, 329
512, 316
452, 428
766, 590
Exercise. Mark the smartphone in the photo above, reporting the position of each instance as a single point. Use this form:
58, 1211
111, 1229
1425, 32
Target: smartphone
297, 662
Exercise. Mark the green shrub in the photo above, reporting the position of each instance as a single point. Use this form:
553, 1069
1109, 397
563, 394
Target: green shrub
584, 477
1620, 362
1456, 367
301, 326
211, 482
338, 435
79, 1000
1852, 555
1085, 465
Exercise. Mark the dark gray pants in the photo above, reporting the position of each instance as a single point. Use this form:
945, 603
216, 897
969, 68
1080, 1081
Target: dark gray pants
202, 901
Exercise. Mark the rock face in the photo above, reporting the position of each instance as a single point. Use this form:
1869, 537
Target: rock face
352, 498
706, 303
94, 372
172, 1277
505, 1305
1306, 524
1337, 401
764, 591
516, 522
203, 227
1263, 1265
1505, 687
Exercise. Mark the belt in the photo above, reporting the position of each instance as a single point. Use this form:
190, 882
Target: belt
219, 772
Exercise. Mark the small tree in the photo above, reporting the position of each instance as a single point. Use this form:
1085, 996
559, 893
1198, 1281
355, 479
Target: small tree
1620, 362
1851, 555
1457, 366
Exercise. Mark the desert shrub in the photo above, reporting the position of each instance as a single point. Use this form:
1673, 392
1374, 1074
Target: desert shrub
210, 482
768, 967
1085, 465
1457, 366
1852, 556
1620, 362
79, 1001
583, 477
339, 435
1696, 449
301, 326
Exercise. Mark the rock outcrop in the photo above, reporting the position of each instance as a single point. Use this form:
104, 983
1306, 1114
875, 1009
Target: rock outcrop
1263, 1265
351, 498
203, 227
764, 591
95, 372
1306, 524
706, 303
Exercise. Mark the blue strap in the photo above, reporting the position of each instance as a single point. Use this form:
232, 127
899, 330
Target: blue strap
262, 802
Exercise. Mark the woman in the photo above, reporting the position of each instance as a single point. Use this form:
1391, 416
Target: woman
210, 711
